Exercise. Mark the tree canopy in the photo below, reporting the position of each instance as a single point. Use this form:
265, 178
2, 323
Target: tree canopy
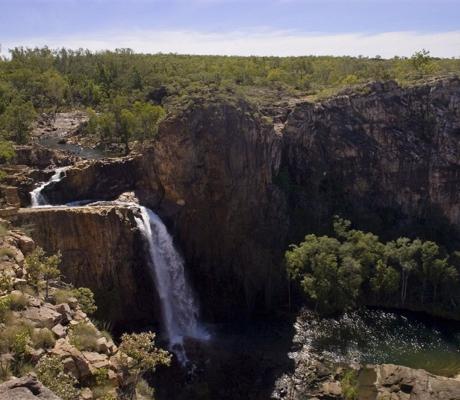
355, 267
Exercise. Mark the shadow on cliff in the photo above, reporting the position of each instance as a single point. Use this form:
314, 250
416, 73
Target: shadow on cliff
240, 362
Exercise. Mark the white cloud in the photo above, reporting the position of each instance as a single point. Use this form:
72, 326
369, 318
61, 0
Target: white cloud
257, 42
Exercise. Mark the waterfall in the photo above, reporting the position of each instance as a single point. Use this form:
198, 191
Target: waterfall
178, 305
36, 196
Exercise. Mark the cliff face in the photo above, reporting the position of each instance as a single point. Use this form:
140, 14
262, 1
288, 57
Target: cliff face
103, 250
215, 163
235, 192
389, 159
98, 180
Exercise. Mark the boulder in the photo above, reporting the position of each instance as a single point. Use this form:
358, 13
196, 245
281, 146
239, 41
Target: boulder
75, 362
42, 317
96, 360
59, 330
400, 383
26, 388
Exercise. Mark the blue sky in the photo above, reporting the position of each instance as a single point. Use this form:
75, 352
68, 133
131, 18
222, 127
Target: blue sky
278, 27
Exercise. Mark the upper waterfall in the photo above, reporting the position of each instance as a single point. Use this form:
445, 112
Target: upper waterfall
36, 197
179, 308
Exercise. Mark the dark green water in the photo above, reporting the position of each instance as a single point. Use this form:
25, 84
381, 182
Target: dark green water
375, 336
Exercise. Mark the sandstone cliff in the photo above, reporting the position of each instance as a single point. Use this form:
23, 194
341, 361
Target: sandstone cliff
387, 158
236, 192
103, 250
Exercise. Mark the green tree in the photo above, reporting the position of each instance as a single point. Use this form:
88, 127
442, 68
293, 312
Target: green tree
16, 121
330, 280
40, 268
147, 118
138, 355
385, 282
50, 270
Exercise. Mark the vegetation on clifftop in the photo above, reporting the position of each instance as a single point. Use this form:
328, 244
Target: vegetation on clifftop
354, 267
44, 80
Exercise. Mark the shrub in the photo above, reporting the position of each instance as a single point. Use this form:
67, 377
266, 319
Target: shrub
349, 384
18, 301
4, 308
145, 390
84, 337
50, 371
6, 282
14, 337
139, 354
43, 338
85, 298
63, 295
5, 369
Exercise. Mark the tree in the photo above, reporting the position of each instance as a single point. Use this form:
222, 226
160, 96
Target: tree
50, 270
16, 121
147, 118
385, 282
50, 371
331, 280
40, 267
126, 128
138, 354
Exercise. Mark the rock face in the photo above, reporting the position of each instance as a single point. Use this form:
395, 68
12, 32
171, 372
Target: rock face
98, 180
215, 163
387, 158
235, 191
103, 250
400, 383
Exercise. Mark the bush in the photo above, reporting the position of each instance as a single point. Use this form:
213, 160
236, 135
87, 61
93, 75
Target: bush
63, 295
18, 301
85, 298
4, 308
349, 383
6, 282
50, 372
145, 390
5, 369
84, 337
43, 339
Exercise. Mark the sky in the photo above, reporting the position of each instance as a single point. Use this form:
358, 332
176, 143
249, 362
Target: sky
236, 27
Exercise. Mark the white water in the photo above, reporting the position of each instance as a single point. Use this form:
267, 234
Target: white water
36, 196
179, 307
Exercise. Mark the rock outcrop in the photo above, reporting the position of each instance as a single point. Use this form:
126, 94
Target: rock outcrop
101, 249
215, 162
93, 180
25, 388
388, 158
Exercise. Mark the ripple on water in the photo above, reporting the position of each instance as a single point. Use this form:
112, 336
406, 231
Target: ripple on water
376, 336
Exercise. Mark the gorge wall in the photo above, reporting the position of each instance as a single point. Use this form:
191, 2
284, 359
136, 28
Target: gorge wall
235, 192
101, 249
388, 159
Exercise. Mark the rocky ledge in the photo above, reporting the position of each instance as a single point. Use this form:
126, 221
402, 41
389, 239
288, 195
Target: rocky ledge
102, 249
33, 327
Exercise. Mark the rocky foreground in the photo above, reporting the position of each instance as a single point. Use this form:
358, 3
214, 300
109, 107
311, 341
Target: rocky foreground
33, 327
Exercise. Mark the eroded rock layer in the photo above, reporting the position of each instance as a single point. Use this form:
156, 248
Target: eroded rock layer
101, 249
